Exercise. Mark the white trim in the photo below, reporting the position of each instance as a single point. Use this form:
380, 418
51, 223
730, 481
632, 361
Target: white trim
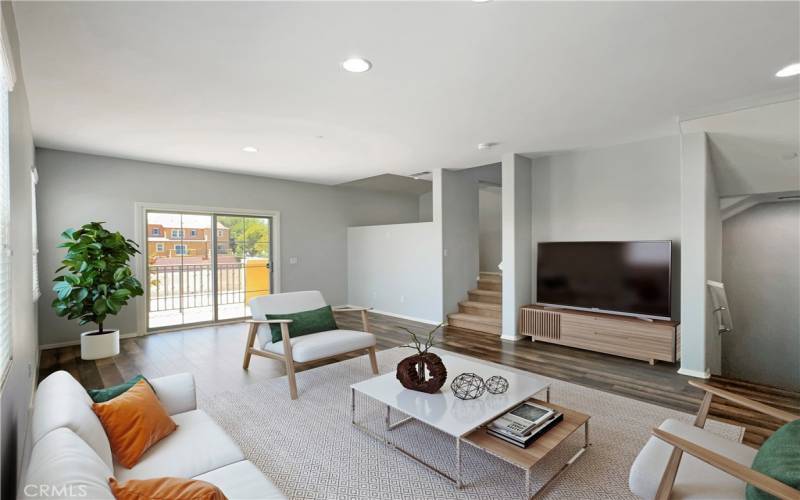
695, 373
69, 343
395, 315
515, 338
140, 224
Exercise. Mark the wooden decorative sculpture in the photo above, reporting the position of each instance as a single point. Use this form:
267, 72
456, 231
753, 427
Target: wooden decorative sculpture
425, 371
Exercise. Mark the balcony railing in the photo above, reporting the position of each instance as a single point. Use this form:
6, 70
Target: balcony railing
178, 287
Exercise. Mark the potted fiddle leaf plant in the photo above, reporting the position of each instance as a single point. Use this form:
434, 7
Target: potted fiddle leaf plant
94, 282
424, 371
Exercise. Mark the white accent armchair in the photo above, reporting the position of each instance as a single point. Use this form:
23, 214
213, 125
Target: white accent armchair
683, 461
302, 350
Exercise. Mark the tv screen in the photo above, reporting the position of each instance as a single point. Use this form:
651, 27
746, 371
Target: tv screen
628, 277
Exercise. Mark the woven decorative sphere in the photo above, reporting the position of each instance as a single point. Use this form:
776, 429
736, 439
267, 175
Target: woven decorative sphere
468, 386
496, 384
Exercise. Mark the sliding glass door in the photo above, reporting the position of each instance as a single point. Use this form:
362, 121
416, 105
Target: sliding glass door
205, 267
243, 263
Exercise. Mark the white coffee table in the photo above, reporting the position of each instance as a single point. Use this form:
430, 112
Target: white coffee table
443, 410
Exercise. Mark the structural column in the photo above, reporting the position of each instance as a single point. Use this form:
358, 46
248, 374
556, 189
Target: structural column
701, 229
517, 241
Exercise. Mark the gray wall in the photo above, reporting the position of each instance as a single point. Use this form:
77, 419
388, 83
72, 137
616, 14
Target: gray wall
77, 188
761, 272
396, 268
460, 236
626, 192
426, 207
16, 393
491, 227
713, 269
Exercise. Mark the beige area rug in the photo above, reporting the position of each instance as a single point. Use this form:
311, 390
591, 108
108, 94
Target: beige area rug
309, 448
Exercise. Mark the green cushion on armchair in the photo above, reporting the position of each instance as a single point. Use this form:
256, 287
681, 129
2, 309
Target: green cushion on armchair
778, 458
304, 322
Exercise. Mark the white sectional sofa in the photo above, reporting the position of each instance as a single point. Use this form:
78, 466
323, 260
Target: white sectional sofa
71, 455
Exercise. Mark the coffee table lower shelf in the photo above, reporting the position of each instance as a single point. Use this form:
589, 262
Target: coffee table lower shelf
524, 458
527, 458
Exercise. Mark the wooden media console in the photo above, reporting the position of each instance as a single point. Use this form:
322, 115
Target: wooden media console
647, 340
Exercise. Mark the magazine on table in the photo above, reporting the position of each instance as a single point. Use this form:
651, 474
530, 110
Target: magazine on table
535, 419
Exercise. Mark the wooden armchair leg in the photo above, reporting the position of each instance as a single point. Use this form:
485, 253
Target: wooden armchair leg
373, 360
290, 376
251, 337
288, 358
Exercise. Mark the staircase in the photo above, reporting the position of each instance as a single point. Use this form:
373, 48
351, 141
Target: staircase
481, 311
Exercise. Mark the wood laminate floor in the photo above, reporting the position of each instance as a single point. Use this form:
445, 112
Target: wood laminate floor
214, 355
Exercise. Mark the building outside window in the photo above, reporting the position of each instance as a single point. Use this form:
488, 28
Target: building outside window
180, 250
159, 247
177, 233
156, 231
193, 232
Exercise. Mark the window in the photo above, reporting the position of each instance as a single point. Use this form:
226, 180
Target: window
34, 235
181, 250
156, 231
220, 248
193, 232
6, 86
177, 233
220, 232
159, 247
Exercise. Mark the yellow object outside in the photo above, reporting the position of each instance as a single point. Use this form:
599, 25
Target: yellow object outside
256, 278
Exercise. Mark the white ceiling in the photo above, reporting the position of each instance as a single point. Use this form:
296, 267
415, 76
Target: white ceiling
754, 150
192, 83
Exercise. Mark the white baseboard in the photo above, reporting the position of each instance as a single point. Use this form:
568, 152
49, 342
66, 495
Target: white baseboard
395, 315
516, 338
695, 373
56, 345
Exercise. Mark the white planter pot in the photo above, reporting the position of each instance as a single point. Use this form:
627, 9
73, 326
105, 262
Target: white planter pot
98, 346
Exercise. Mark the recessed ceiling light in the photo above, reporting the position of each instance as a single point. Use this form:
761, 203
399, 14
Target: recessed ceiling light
249, 149
790, 70
481, 1
356, 65
486, 145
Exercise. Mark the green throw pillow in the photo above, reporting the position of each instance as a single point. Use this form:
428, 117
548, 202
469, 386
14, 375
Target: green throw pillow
303, 323
109, 393
778, 458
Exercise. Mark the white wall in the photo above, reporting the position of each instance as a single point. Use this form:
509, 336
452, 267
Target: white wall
626, 192
17, 390
460, 236
396, 269
695, 167
761, 272
490, 227
77, 188
517, 240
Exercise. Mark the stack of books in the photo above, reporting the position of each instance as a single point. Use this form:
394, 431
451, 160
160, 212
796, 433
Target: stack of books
524, 424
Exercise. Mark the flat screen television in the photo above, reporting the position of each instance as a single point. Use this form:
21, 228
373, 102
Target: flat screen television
621, 277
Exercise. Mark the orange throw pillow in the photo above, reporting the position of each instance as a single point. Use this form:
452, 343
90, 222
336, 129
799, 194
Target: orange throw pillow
163, 488
134, 421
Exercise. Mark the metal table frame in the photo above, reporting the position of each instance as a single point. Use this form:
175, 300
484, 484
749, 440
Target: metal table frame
389, 426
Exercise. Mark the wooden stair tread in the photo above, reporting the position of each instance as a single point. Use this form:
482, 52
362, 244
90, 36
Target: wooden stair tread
488, 293
473, 318
481, 305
